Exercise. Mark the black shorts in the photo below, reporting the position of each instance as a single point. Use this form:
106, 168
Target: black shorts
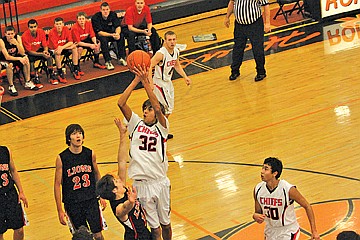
63, 52
35, 58
11, 213
84, 213
87, 40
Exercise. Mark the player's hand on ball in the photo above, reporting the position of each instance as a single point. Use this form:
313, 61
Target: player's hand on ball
142, 73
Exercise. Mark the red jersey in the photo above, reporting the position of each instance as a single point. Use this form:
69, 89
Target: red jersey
34, 43
79, 34
56, 40
132, 17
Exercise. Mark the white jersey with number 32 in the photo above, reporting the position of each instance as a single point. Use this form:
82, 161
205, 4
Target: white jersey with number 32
276, 204
148, 158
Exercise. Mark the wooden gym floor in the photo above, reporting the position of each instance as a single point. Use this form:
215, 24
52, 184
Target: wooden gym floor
306, 112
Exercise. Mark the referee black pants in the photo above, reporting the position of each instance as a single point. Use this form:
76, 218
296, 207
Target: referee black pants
255, 33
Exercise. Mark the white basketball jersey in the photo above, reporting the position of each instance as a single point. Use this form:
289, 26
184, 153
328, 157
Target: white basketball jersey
148, 158
276, 204
165, 68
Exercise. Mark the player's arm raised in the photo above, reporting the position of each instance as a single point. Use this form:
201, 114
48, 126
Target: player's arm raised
295, 195
122, 151
125, 109
122, 210
143, 75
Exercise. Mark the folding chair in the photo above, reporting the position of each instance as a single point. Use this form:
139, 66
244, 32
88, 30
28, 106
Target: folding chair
41, 65
297, 6
89, 55
67, 61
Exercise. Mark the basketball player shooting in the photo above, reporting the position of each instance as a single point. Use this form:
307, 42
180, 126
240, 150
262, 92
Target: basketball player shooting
148, 162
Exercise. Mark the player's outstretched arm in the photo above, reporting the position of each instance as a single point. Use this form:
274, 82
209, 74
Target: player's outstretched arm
142, 72
122, 210
122, 151
125, 109
297, 197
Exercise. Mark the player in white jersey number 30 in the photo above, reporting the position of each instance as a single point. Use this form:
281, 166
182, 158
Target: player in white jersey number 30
274, 204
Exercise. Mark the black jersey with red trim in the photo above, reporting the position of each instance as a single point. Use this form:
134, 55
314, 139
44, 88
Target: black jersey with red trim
6, 180
135, 225
78, 178
12, 49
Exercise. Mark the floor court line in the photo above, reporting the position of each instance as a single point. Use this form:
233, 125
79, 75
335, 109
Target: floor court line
221, 45
264, 127
194, 224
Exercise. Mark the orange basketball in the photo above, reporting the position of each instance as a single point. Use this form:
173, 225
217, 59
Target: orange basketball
136, 58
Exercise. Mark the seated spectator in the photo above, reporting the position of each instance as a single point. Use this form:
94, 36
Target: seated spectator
82, 234
13, 54
348, 235
84, 37
36, 47
139, 22
60, 41
9, 71
106, 25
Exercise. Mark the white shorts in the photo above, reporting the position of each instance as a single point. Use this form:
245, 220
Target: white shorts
165, 95
154, 196
283, 233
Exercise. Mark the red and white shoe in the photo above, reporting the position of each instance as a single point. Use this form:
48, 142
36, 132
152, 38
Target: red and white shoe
98, 65
76, 75
62, 78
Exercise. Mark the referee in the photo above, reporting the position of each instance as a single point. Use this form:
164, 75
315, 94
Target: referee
249, 24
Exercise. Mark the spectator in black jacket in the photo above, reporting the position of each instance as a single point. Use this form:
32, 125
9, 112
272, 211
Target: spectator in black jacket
106, 25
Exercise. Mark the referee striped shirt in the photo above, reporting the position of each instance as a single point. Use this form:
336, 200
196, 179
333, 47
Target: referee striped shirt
248, 11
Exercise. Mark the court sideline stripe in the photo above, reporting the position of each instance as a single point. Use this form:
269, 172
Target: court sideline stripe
265, 126
195, 225
10, 114
221, 45
224, 163
198, 64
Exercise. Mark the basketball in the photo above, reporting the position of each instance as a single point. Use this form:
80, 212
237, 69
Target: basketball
136, 58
